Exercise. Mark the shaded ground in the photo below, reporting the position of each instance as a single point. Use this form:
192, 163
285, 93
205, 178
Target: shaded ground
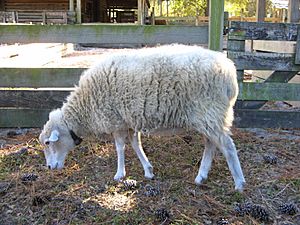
85, 193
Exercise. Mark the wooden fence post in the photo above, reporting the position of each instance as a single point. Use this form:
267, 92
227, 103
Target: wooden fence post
71, 5
216, 17
78, 11
293, 11
260, 10
141, 12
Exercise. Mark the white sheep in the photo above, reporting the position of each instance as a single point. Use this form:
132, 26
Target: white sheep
149, 91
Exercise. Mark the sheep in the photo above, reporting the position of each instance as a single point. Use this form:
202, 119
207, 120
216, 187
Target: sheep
150, 91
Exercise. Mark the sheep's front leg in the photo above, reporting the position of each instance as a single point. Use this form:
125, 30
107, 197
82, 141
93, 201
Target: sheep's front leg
137, 146
120, 138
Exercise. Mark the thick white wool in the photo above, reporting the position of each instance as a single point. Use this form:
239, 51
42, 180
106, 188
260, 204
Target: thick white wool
174, 86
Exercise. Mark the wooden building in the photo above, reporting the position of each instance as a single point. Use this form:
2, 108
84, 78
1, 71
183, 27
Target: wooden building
64, 11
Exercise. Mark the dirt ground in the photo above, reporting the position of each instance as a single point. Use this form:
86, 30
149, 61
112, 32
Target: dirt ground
84, 191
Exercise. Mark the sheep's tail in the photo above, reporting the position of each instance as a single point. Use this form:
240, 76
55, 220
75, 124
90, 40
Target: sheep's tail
233, 88
232, 94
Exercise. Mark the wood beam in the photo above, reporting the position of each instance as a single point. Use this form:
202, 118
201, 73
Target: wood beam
265, 31
260, 10
78, 11
247, 118
264, 61
39, 77
103, 34
141, 4
293, 11
243, 118
216, 17
71, 5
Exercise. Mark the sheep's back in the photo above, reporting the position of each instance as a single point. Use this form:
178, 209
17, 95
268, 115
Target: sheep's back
166, 87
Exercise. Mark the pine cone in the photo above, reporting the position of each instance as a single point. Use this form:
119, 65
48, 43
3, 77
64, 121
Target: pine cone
28, 177
256, 211
151, 191
130, 184
271, 159
222, 222
288, 208
162, 214
259, 212
242, 209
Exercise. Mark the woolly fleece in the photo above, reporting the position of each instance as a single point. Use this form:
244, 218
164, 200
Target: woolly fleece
150, 89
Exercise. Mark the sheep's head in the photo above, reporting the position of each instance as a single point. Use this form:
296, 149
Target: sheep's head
57, 140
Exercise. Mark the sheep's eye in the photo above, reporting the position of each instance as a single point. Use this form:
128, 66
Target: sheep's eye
47, 142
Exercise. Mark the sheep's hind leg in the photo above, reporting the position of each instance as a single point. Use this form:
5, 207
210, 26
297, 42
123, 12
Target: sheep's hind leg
137, 146
120, 138
227, 147
206, 161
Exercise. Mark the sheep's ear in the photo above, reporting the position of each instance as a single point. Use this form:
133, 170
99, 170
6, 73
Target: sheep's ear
54, 136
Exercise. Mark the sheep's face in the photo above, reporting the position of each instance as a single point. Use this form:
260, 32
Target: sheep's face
57, 141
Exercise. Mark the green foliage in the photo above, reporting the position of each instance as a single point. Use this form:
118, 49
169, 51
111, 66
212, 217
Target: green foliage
246, 8
188, 7
197, 7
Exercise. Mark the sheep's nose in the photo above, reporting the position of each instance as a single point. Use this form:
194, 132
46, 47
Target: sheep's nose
49, 167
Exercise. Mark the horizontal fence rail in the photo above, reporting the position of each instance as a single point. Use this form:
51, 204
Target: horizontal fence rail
269, 91
264, 61
29, 107
262, 31
253, 95
266, 119
39, 77
103, 34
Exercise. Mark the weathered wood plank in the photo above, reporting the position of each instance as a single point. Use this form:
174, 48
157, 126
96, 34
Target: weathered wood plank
297, 58
103, 34
243, 118
260, 10
281, 76
34, 99
39, 77
293, 11
266, 119
262, 31
276, 76
269, 91
23, 117
50, 99
236, 45
264, 61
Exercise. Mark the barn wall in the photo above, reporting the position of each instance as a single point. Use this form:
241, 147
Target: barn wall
13, 5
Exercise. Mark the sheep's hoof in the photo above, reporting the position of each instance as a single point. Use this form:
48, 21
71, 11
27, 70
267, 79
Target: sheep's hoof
149, 173
199, 180
119, 177
240, 186
149, 176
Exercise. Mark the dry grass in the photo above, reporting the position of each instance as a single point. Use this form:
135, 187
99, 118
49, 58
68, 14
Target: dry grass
84, 193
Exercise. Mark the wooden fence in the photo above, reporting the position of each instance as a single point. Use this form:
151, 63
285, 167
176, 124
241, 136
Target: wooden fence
275, 88
200, 20
24, 104
37, 17
22, 101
